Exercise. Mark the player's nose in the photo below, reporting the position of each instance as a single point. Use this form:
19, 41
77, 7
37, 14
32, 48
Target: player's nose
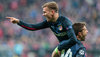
87, 31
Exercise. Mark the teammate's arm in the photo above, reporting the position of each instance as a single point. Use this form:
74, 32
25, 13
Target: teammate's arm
32, 27
71, 35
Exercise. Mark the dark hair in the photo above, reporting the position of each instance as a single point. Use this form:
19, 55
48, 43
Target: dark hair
51, 5
78, 27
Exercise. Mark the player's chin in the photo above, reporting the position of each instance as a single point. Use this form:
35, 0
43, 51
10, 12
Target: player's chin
49, 21
83, 39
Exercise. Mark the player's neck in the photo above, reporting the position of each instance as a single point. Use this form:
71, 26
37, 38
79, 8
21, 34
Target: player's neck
56, 16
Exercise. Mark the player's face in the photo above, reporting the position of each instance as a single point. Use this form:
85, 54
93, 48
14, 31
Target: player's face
48, 14
83, 33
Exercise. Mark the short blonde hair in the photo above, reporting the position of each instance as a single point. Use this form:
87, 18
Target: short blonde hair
51, 5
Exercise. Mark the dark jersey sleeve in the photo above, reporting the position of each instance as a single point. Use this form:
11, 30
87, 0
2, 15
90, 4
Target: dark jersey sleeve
71, 35
81, 53
34, 27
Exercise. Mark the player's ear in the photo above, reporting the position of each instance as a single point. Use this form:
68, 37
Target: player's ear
53, 11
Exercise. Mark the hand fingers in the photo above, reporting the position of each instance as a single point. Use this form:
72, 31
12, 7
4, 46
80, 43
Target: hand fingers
9, 17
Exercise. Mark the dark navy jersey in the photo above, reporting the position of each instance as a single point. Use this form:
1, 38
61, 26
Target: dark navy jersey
77, 50
62, 29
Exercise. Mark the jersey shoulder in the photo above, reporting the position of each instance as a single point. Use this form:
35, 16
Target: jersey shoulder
81, 50
65, 21
64, 18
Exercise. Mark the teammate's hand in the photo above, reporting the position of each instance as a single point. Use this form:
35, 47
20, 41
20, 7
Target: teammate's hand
13, 20
59, 52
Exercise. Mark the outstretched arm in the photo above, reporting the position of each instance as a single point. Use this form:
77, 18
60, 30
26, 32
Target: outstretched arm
27, 26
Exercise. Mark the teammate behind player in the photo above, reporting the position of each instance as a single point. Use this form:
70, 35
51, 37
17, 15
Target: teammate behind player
78, 50
60, 25
80, 31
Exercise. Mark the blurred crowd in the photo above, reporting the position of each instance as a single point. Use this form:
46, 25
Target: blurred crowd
18, 42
